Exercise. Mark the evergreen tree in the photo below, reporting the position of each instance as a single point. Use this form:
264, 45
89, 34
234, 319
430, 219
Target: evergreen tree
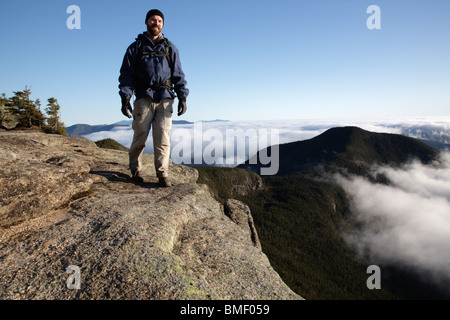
7, 118
3, 100
4, 108
53, 111
26, 110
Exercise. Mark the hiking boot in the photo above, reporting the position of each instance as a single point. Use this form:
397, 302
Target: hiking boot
164, 182
136, 177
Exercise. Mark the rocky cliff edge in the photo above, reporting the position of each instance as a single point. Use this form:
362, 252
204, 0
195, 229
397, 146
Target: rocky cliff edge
65, 202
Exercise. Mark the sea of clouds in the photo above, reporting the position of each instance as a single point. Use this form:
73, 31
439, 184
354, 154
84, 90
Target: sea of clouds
437, 129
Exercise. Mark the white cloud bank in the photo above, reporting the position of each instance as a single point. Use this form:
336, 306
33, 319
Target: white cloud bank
407, 222
293, 130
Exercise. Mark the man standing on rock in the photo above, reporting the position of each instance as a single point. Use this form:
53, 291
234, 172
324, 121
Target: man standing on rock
151, 69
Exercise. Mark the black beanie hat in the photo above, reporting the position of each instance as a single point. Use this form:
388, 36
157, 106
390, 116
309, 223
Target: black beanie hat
153, 12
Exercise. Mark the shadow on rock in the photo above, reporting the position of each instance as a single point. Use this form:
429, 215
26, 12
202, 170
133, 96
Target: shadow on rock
116, 176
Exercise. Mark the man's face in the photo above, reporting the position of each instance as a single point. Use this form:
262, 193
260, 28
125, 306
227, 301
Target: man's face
155, 25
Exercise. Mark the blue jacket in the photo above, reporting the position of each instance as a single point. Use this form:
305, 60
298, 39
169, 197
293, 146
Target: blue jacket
151, 70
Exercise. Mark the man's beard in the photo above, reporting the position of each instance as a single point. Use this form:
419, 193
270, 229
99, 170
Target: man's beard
154, 30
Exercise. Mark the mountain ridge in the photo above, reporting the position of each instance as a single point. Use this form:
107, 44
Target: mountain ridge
350, 147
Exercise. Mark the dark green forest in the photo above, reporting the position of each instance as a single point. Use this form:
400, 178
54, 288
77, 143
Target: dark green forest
299, 221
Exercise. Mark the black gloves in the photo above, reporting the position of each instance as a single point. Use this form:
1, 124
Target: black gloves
126, 106
127, 110
181, 105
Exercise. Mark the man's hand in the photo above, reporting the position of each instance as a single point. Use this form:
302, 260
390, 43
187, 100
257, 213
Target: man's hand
181, 105
126, 106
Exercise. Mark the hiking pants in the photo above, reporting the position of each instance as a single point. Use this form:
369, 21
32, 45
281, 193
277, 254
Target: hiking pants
145, 114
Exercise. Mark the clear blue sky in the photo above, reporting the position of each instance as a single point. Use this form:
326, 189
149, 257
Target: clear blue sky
243, 60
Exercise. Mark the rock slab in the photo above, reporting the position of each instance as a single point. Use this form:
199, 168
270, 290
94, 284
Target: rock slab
66, 203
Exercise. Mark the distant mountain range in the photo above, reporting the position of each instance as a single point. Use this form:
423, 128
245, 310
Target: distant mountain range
84, 129
435, 135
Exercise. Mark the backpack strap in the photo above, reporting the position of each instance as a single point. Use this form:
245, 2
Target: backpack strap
141, 53
140, 48
168, 47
